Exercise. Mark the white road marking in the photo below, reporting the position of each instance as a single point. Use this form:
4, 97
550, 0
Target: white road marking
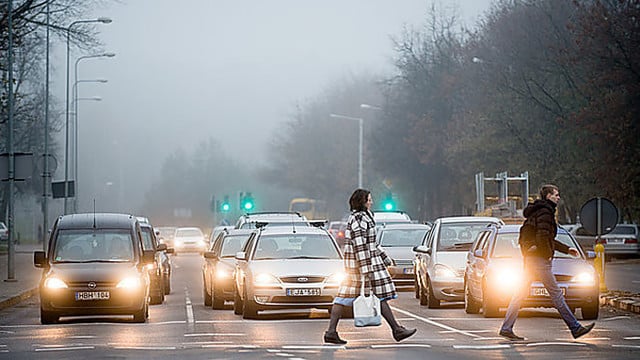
632, 338
307, 347
82, 337
469, 331
7, 332
3, 346
144, 347
66, 348
199, 343
626, 346
488, 338
617, 318
231, 346
283, 354
214, 334
481, 347
428, 321
187, 301
635, 281
400, 346
551, 343
173, 322
591, 338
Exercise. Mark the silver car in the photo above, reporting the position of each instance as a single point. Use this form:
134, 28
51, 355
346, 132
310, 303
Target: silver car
441, 258
621, 241
398, 241
287, 268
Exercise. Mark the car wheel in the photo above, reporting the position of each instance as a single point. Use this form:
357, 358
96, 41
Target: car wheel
205, 294
158, 297
590, 311
167, 284
424, 299
416, 287
489, 308
249, 308
237, 302
217, 302
432, 302
141, 315
48, 317
471, 305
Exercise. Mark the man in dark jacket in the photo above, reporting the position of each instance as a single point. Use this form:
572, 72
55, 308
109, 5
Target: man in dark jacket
537, 264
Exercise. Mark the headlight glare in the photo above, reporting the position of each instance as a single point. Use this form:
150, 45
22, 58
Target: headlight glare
443, 271
129, 283
265, 279
584, 278
55, 283
223, 274
337, 277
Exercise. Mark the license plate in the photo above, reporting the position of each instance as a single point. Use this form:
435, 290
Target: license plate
615, 241
407, 270
303, 292
537, 291
92, 295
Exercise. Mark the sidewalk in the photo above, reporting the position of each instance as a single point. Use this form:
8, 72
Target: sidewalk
27, 276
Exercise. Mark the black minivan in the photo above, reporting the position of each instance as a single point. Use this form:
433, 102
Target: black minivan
94, 265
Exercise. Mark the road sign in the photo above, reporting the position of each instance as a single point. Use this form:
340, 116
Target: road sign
599, 216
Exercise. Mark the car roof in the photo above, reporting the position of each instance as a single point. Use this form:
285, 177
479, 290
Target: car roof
99, 220
466, 219
391, 215
289, 230
516, 229
401, 226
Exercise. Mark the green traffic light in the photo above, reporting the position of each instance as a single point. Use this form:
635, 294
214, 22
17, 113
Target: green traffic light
388, 206
248, 205
226, 207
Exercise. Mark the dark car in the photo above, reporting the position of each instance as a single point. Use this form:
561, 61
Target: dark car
494, 270
219, 266
95, 265
160, 270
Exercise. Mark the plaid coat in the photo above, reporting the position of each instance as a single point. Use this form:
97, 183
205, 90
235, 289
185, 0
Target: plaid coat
363, 256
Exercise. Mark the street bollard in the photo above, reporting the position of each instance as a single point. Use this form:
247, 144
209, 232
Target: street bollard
598, 263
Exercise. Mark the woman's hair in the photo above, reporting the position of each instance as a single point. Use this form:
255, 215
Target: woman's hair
358, 200
547, 189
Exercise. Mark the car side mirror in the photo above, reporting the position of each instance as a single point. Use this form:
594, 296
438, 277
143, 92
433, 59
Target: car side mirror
210, 255
161, 247
148, 256
39, 259
422, 249
478, 253
591, 254
170, 251
241, 255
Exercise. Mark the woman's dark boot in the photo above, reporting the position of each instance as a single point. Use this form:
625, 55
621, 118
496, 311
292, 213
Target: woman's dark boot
332, 337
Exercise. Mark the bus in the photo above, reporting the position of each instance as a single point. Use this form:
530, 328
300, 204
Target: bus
312, 209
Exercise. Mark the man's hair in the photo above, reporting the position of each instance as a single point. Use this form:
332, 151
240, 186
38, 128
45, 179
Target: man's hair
547, 189
358, 199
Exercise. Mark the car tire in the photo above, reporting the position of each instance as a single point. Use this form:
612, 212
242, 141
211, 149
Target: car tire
167, 284
237, 303
432, 302
217, 302
141, 315
249, 308
471, 305
590, 311
48, 317
416, 287
205, 294
424, 299
489, 308
158, 297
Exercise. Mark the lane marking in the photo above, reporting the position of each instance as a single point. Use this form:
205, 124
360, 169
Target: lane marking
591, 338
187, 301
462, 332
469, 331
82, 337
198, 343
231, 346
214, 334
481, 347
400, 346
7, 332
283, 354
626, 346
144, 347
552, 343
66, 348
173, 322
632, 338
316, 347
617, 318
488, 338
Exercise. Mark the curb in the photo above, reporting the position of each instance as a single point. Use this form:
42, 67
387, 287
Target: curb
14, 300
626, 302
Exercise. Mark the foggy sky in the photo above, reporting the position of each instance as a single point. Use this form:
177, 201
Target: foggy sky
188, 70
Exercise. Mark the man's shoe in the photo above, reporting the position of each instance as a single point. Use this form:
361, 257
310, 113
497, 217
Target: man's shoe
333, 338
582, 330
510, 335
402, 333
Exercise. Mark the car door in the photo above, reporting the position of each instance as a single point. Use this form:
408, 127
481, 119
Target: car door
242, 265
423, 258
477, 263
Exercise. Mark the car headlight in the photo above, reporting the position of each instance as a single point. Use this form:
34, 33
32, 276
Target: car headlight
150, 267
265, 279
506, 278
336, 278
443, 271
584, 278
54, 283
223, 274
129, 283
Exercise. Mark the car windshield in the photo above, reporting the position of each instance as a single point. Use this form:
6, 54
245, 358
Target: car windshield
296, 246
507, 246
100, 245
459, 236
188, 233
147, 241
231, 244
402, 238
623, 230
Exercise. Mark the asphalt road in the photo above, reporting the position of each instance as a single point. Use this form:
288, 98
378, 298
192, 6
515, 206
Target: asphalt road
623, 274
183, 328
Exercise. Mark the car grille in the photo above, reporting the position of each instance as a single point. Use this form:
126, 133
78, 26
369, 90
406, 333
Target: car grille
404, 262
302, 299
85, 284
301, 279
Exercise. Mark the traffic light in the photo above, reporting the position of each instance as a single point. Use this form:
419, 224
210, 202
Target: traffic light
225, 206
247, 203
388, 204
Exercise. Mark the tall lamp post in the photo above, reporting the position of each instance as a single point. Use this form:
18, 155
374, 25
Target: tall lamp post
103, 20
75, 138
360, 141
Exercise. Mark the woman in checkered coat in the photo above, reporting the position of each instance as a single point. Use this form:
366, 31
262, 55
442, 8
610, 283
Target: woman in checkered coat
362, 256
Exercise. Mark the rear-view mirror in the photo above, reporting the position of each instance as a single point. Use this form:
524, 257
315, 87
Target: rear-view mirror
170, 251
162, 247
241, 255
39, 259
422, 249
210, 255
478, 253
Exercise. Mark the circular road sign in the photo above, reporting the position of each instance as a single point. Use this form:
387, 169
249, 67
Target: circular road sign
608, 216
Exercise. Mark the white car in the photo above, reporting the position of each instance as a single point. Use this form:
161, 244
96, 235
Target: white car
287, 268
189, 239
4, 232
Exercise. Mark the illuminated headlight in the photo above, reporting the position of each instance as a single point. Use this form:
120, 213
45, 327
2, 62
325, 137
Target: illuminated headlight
336, 278
442, 271
265, 279
129, 283
223, 274
151, 266
584, 278
54, 283
506, 278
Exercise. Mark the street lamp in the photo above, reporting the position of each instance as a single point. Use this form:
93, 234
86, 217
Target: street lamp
360, 124
372, 107
103, 20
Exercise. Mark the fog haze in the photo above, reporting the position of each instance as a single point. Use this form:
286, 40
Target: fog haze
229, 70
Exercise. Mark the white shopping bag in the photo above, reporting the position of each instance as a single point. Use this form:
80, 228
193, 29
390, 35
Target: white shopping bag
366, 309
